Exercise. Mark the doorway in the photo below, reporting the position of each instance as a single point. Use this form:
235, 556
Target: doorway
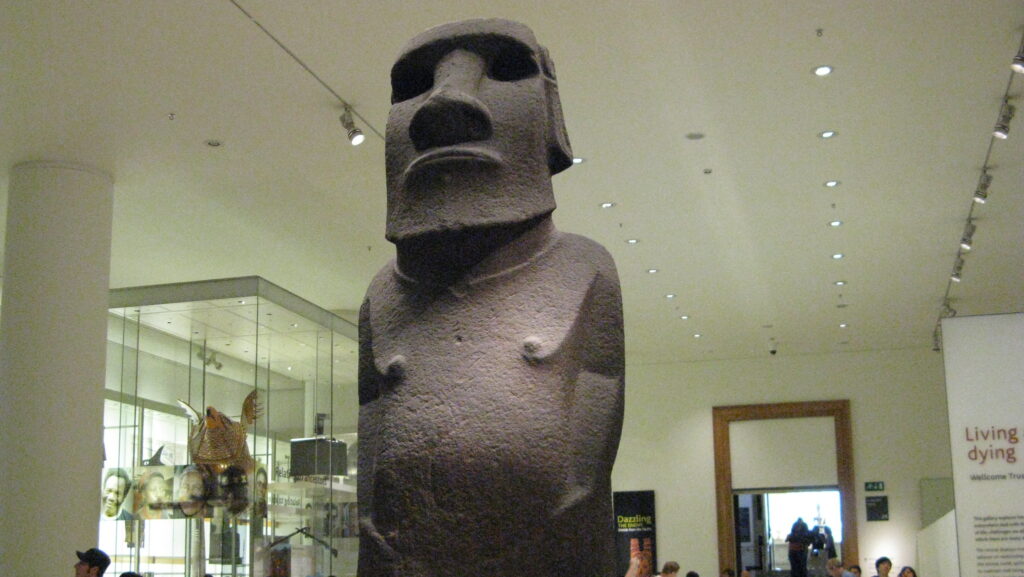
765, 517
839, 413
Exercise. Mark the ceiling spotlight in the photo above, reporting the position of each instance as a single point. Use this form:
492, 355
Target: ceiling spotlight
967, 239
981, 194
837, 256
697, 335
632, 241
957, 270
652, 271
823, 71
685, 317
840, 283
842, 325
835, 223
670, 296
578, 160
1018, 61
607, 204
827, 134
355, 136
1002, 130
831, 183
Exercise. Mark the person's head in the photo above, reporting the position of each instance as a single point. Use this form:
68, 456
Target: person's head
855, 569
728, 572
130, 574
91, 563
670, 568
834, 567
154, 488
475, 130
799, 525
692, 574
193, 490
883, 565
115, 488
907, 571
260, 489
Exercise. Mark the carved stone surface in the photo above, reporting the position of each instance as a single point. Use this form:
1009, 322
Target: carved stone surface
491, 349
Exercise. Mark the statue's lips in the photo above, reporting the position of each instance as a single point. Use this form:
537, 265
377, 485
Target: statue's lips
454, 154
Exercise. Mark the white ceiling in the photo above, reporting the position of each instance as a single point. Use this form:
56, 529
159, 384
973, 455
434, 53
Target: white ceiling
736, 222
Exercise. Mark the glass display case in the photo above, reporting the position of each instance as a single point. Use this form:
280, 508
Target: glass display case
229, 433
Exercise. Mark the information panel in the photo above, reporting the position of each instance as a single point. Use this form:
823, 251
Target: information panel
635, 531
984, 358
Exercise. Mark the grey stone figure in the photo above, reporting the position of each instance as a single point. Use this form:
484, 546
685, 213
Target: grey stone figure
491, 349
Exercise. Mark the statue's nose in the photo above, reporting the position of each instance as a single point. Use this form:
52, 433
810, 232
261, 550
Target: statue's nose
452, 113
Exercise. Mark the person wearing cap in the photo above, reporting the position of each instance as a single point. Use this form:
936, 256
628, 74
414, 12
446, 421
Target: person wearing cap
91, 563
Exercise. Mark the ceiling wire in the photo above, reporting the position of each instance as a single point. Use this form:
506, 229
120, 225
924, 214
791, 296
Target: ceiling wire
947, 310
287, 51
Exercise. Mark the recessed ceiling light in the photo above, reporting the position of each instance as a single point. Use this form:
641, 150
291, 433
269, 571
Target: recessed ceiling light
670, 296
295, 325
685, 317
632, 241
827, 134
837, 256
578, 160
831, 183
840, 283
241, 302
823, 70
695, 135
652, 271
842, 325
213, 143
607, 204
697, 335
289, 368
835, 223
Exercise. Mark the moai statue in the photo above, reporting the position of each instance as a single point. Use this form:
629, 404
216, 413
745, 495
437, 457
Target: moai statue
491, 349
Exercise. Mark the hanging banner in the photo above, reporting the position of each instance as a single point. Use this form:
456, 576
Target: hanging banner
984, 359
634, 531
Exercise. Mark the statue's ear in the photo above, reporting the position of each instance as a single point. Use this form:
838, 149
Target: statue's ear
559, 149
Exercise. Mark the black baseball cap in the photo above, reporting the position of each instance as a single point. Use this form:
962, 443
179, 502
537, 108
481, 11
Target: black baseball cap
94, 558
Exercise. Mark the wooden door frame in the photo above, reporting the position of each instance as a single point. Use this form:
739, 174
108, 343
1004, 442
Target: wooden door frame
722, 416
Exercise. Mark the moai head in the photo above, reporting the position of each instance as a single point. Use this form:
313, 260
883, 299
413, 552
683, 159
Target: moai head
475, 130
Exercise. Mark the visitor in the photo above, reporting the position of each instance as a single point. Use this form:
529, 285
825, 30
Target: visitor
882, 567
91, 563
799, 538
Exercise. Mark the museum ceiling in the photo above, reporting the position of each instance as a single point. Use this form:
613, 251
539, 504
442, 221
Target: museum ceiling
699, 122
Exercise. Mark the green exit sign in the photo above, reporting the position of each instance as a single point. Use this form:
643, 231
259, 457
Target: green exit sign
874, 486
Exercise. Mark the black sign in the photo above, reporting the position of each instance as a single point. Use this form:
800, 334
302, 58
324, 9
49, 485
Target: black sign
877, 508
634, 531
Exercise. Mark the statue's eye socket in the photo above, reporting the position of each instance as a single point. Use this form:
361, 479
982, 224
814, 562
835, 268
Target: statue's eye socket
512, 63
409, 83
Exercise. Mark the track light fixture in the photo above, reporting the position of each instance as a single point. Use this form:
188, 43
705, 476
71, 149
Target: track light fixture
1002, 130
355, 136
958, 269
981, 194
968, 238
1018, 60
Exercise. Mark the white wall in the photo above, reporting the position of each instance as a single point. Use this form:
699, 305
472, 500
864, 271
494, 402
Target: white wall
900, 435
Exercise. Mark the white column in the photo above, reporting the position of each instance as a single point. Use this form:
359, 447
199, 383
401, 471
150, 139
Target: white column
52, 356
